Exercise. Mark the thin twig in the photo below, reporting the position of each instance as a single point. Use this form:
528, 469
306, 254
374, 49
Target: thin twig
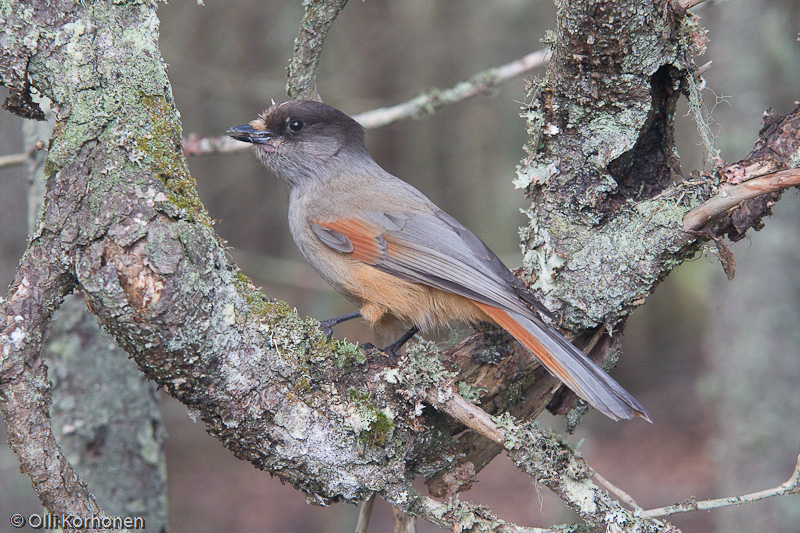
423, 104
364, 514
616, 491
454, 513
734, 195
688, 4
545, 458
403, 522
13, 160
196, 145
790, 486
432, 100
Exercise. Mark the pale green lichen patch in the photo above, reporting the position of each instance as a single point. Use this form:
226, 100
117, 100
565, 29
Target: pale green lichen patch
258, 304
348, 355
421, 369
298, 343
538, 254
609, 135
373, 425
470, 393
534, 174
794, 160
582, 493
473, 516
297, 421
619, 260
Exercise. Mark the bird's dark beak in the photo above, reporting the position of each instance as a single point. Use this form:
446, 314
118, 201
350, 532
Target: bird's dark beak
249, 134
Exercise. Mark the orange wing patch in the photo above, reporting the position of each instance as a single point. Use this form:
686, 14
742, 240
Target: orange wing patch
369, 245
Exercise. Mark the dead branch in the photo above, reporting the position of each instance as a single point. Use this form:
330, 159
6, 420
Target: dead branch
732, 196
790, 486
270, 385
433, 100
38, 287
743, 193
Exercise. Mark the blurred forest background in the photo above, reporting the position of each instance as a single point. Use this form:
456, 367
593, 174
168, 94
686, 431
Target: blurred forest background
717, 363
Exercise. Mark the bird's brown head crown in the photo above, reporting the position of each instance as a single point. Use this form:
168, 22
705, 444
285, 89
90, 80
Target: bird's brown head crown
298, 139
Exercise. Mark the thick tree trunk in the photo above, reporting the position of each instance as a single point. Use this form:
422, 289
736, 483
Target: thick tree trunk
123, 223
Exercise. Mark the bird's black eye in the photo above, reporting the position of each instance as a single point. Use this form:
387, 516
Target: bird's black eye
296, 125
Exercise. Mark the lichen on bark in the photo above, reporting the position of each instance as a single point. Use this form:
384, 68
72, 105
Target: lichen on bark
601, 153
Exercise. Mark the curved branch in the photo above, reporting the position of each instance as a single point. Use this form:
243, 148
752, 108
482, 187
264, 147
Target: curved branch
40, 284
555, 465
270, 386
134, 236
748, 189
317, 20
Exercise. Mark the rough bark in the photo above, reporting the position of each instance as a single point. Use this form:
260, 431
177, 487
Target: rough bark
606, 217
601, 150
607, 220
123, 223
104, 413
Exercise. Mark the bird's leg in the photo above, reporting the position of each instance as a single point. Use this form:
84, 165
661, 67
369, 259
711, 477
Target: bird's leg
327, 325
391, 350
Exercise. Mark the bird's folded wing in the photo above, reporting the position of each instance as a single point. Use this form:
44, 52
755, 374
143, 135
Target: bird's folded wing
432, 249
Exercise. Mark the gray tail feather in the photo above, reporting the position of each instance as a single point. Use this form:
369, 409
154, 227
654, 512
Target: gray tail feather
591, 382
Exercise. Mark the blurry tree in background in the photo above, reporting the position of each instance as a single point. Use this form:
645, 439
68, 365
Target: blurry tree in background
726, 417
752, 343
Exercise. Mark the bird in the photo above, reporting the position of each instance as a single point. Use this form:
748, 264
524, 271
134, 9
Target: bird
391, 251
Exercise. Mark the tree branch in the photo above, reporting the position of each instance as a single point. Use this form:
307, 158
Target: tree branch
744, 192
123, 222
554, 465
364, 514
456, 514
475, 418
433, 100
688, 4
426, 103
317, 20
39, 286
13, 160
790, 486
730, 197
122, 217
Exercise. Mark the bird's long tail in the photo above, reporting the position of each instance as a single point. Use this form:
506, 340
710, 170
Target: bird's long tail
569, 364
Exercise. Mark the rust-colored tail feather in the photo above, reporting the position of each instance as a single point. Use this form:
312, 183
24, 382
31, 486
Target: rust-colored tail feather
569, 364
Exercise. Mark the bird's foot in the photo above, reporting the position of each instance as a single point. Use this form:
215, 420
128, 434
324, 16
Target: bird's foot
327, 325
